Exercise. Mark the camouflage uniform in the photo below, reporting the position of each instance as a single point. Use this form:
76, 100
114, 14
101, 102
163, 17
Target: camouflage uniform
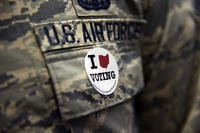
43, 84
170, 50
39, 93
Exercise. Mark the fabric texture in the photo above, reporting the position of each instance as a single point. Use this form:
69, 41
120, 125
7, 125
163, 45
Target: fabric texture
31, 97
170, 50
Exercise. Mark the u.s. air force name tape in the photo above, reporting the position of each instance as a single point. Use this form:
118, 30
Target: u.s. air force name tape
74, 33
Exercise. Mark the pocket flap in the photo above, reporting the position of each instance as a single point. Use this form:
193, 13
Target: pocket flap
65, 45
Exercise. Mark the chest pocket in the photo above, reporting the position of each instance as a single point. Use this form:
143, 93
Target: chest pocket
65, 45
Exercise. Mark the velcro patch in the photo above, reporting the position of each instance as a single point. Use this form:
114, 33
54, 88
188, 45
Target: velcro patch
75, 33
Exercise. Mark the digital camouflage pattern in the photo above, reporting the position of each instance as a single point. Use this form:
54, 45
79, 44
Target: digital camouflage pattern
76, 96
170, 52
41, 90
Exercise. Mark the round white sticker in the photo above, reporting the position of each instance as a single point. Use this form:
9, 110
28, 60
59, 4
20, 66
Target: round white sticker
102, 70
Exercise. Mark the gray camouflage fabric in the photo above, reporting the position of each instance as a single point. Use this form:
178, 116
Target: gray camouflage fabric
170, 50
169, 102
48, 91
